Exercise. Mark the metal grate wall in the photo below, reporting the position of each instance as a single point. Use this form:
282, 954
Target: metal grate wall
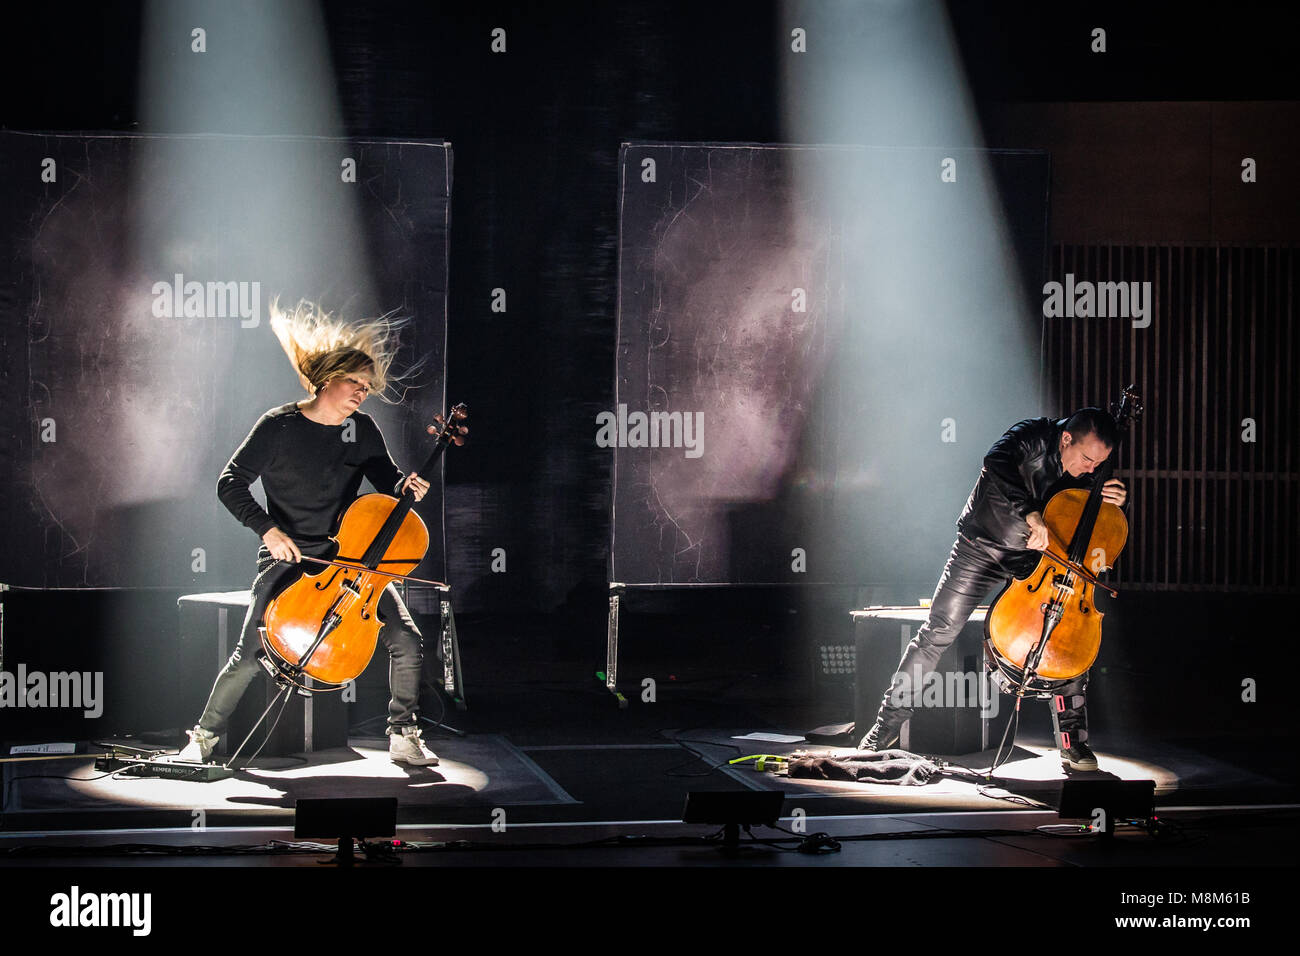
1209, 508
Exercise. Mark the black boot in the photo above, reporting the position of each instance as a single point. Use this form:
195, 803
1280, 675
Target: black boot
885, 731
1078, 756
1070, 722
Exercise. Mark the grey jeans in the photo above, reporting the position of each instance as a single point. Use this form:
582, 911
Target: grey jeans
398, 634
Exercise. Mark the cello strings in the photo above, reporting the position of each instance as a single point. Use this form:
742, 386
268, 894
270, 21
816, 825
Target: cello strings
348, 598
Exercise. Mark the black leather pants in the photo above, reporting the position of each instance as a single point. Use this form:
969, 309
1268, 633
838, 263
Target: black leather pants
973, 570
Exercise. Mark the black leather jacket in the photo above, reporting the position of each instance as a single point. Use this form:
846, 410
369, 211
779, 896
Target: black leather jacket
1021, 472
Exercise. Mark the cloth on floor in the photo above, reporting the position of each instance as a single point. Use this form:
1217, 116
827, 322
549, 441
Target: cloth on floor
886, 766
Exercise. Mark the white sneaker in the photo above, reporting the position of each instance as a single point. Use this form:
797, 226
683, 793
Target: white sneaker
200, 747
408, 747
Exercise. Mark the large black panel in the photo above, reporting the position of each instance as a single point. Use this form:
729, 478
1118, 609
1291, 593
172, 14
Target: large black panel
796, 325
117, 412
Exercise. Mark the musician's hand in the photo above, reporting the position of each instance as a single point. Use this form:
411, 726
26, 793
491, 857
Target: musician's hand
1038, 540
281, 546
416, 484
1114, 492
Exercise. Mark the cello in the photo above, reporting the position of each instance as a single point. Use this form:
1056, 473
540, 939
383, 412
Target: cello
324, 625
1044, 630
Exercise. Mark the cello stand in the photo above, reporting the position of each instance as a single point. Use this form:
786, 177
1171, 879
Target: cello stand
454, 731
453, 685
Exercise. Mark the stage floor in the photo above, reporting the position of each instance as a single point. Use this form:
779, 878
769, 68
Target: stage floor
613, 786
1193, 837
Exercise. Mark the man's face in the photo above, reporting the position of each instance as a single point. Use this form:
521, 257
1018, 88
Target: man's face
345, 394
1083, 456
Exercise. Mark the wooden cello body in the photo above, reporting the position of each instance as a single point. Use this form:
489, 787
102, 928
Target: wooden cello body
1015, 620
293, 620
325, 625
1049, 620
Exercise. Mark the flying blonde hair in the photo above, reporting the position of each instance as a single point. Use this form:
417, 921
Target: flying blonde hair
322, 347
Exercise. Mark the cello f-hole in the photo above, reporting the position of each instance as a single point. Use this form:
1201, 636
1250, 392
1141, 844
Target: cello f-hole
322, 585
1047, 571
366, 613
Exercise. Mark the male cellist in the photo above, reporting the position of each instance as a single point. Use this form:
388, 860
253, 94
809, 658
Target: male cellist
999, 533
311, 456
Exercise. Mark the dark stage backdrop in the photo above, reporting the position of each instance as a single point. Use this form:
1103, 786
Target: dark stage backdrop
537, 133
119, 408
795, 326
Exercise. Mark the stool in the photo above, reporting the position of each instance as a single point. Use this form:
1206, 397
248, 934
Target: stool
959, 725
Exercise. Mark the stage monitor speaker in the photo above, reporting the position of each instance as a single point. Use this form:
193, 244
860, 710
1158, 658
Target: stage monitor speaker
748, 807
344, 817
733, 809
1120, 799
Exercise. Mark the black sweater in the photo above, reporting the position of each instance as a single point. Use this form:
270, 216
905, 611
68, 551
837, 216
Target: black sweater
310, 472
